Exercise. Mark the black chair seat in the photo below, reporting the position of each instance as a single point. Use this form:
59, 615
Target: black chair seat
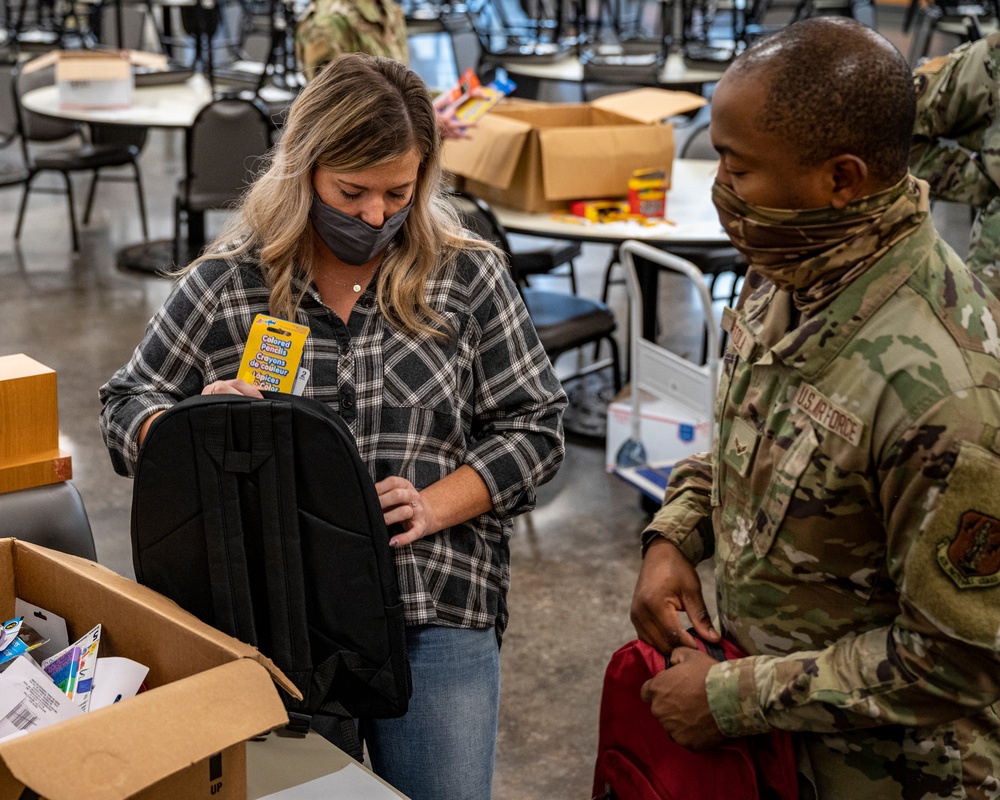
534, 255
86, 157
52, 516
710, 260
564, 320
13, 174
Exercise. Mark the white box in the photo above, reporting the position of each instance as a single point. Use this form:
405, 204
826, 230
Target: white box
95, 79
667, 429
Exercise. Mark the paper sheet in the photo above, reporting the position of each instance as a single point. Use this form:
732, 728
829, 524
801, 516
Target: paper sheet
351, 781
117, 679
29, 700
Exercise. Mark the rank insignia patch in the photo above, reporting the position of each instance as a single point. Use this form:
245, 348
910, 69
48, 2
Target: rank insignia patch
972, 557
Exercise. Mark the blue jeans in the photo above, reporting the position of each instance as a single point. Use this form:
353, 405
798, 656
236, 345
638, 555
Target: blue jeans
445, 746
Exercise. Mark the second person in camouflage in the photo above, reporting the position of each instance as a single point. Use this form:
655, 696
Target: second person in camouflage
956, 142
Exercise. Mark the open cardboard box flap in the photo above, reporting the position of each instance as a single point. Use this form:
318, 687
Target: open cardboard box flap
139, 58
115, 752
494, 164
650, 105
208, 690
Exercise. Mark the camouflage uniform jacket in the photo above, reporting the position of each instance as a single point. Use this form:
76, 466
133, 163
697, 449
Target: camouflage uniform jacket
331, 28
956, 145
854, 512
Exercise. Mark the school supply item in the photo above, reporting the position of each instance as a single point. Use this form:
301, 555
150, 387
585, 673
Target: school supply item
272, 355
637, 759
476, 104
647, 193
20, 638
259, 517
79, 677
470, 99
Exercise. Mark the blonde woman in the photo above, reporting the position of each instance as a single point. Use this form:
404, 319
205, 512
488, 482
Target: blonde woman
420, 341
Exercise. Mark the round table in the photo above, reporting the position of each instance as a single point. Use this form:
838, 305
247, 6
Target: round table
691, 220
172, 105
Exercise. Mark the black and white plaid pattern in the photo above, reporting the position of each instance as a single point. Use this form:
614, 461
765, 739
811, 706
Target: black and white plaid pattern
419, 408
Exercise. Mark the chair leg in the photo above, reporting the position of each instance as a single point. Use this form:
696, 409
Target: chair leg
177, 231
616, 365
572, 277
142, 200
606, 288
90, 196
72, 212
24, 207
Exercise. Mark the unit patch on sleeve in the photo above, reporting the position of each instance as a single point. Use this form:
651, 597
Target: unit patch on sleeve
972, 557
952, 567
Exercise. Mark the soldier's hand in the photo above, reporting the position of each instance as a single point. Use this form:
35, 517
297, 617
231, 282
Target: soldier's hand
679, 700
667, 585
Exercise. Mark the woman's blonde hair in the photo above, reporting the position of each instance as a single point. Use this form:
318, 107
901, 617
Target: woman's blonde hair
360, 112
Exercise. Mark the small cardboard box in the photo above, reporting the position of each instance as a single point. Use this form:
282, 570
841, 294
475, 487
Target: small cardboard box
184, 738
668, 429
95, 78
537, 157
29, 426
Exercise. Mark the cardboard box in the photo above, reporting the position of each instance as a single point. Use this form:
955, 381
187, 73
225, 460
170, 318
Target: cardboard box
29, 426
537, 157
668, 430
95, 78
184, 738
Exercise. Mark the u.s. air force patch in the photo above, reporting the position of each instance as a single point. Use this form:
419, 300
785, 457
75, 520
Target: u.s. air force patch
827, 414
972, 557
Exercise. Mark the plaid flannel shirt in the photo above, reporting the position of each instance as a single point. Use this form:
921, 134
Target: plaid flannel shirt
418, 408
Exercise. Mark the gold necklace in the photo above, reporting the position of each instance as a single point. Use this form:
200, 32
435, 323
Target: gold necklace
355, 286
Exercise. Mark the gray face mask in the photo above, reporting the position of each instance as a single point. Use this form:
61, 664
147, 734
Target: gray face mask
350, 239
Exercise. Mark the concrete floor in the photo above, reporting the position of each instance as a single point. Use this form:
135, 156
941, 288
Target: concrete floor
574, 559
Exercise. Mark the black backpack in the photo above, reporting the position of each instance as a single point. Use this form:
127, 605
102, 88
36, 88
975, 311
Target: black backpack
259, 517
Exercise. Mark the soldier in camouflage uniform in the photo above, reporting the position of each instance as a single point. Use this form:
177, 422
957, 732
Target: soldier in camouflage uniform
851, 499
956, 143
331, 28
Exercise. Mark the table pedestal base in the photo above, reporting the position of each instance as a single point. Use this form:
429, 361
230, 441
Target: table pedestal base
154, 258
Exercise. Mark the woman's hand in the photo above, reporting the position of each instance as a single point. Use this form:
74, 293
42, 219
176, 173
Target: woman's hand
450, 126
234, 386
403, 504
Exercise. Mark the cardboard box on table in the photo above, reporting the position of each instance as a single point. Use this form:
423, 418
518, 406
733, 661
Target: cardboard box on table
184, 738
29, 426
95, 78
538, 157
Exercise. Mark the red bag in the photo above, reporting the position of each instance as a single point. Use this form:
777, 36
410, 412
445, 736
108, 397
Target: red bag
637, 759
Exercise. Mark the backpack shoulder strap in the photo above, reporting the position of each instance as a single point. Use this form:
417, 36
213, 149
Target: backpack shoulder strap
216, 466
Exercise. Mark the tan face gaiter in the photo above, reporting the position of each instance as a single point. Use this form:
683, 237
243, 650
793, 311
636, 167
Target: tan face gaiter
815, 253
